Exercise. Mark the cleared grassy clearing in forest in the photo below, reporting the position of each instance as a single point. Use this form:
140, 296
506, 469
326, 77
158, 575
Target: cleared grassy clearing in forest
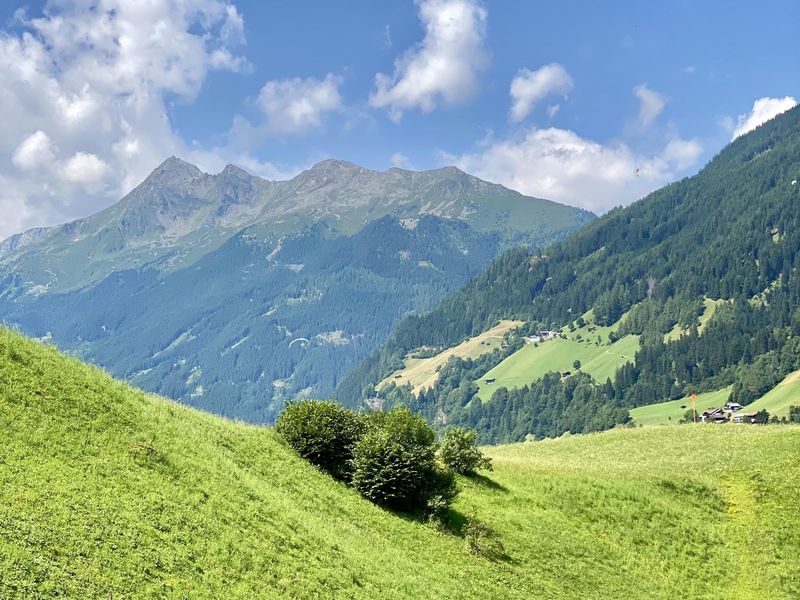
589, 344
710, 307
673, 411
422, 373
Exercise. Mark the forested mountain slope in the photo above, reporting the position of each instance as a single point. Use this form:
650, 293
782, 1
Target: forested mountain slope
108, 492
197, 285
732, 232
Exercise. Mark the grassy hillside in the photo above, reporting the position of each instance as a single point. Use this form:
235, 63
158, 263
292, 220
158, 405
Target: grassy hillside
106, 490
673, 411
778, 400
424, 372
709, 308
589, 344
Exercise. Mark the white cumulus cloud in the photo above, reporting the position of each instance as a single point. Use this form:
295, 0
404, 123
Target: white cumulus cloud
764, 109
84, 98
529, 87
444, 68
84, 168
34, 152
651, 104
297, 105
560, 165
401, 161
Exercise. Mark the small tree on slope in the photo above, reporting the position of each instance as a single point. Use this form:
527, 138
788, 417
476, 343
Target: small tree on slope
457, 451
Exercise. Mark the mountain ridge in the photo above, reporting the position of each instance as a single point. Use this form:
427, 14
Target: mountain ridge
178, 204
192, 283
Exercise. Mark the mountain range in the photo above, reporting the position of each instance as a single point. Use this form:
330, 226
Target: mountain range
232, 293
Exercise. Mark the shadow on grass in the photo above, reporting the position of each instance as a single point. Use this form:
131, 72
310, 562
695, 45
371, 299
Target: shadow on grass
484, 481
454, 522
480, 539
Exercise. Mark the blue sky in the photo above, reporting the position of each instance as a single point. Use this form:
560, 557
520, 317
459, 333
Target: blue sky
584, 103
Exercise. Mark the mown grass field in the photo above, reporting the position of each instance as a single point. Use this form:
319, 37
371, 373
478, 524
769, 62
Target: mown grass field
599, 358
778, 400
108, 492
423, 373
665, 413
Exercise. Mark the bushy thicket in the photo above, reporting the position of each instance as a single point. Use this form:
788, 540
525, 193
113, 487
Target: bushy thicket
457, 451
323, 433
389, 457
394, 464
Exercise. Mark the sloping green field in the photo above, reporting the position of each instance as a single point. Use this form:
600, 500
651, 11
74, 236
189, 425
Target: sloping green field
665, 413
109, 492
423, 373
709, 308
778, 400
589, 344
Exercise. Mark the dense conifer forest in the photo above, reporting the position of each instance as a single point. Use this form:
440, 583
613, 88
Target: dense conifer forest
732, 233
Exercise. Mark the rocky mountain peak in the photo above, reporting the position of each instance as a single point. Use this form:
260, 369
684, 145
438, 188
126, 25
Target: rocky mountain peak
332, 164
232, 171
173, 172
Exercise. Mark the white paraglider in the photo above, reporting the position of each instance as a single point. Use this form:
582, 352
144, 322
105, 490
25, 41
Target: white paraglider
300, 339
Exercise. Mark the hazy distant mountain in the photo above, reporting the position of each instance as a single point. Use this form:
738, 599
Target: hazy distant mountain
179, 214
194, 285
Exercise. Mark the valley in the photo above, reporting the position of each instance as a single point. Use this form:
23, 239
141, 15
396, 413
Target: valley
150, 498
673, 301
417, 300
195, 285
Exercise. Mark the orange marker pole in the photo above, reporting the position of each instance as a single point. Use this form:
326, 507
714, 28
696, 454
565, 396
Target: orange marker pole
694, 410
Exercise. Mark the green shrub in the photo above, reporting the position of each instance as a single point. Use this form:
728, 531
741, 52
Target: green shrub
457, 451
323, 433
482, 540
762, 417
394, 464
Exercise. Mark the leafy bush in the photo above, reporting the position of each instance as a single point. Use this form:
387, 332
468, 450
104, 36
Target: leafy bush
323, 433
389, 457
457, 451
394, 464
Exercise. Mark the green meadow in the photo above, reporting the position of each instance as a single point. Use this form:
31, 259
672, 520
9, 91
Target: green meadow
709, 308
109, 492
665, 413
423, 373
589, 344
778, 400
